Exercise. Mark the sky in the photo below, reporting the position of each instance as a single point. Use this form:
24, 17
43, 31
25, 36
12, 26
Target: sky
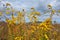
39, 5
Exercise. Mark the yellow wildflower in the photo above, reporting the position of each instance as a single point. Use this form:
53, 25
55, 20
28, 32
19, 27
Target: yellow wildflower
59, 11
0, 13
37, 27
18, 38
7, 13
53, 11
54, 32
33, 27
46, 37
37, 13
32, 30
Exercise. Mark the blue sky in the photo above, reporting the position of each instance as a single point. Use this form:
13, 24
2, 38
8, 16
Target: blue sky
39, 5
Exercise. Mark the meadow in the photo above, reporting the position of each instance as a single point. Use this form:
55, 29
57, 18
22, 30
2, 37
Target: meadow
17, 29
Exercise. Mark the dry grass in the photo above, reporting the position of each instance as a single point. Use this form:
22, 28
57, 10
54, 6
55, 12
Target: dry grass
26, 32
